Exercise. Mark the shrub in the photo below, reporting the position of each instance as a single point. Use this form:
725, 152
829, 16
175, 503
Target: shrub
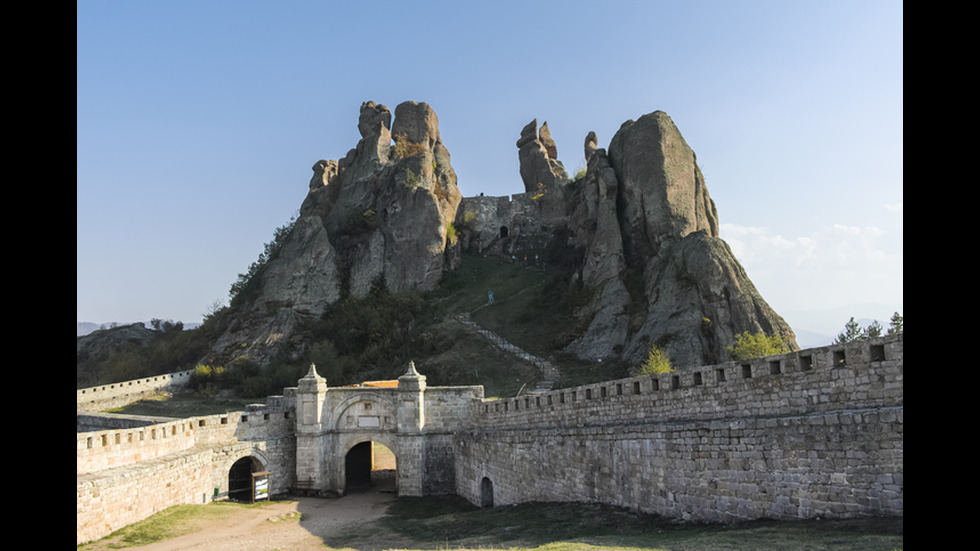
756, 345
451, 236
405, 148
657, 362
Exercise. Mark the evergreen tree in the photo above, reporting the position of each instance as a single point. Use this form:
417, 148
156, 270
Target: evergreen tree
896, 324
852, 332
873, 331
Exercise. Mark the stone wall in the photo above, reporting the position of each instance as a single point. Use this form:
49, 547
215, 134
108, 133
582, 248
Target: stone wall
811, 433
133, 470
500, 225
104, 397
417, 423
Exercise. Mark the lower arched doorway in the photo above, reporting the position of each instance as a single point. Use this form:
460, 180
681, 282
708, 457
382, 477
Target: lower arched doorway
240, 478
370, 466
486, 492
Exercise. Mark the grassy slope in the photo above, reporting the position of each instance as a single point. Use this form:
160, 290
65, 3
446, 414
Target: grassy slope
533, 308
448, 522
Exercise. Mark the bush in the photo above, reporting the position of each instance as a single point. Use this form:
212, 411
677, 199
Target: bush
657, 362
405, 148
756, 346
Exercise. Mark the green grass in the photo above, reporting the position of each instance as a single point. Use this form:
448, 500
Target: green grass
449, 522
452, 523
169, 523
183, 405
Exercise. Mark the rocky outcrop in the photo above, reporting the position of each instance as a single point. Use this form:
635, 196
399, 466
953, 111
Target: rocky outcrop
540, 168
663, 194
379, 216
639, 232
644, 234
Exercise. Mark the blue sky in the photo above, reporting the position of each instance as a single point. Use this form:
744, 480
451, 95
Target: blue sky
198, 124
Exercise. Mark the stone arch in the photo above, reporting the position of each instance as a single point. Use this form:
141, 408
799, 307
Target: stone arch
344, 417
240, 477
486, 492
503, 231
364, 467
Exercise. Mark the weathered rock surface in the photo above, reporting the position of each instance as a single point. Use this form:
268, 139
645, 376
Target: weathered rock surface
540, 168
639, 231
378, 216
645, 234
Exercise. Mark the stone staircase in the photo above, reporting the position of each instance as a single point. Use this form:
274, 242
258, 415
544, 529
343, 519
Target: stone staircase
550, 373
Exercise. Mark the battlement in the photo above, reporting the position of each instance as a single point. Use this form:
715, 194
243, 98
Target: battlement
862, 374
122, 440
812, 433
103, 397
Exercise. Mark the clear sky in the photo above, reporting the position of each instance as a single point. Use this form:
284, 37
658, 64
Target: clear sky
199, 122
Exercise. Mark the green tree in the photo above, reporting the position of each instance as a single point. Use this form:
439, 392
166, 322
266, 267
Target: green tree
748, 345
657, 362
896, 324
873, 331
852, 332
270, 251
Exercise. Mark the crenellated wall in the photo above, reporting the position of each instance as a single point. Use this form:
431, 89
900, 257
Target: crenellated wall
114, 395
812, 433
131, 469
501, 224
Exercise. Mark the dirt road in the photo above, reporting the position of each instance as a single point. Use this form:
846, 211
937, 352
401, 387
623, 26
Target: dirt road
276, 527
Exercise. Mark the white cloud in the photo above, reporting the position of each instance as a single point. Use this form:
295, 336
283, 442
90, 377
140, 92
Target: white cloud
834, 266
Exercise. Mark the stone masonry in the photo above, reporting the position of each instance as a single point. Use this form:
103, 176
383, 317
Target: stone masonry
813, 433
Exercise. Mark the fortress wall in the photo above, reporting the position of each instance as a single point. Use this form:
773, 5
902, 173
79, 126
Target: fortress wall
489, 214
445, 406
858, 375
831, 465
124, 475
131, 444
105, 449
827, 441
109, 500
104, 397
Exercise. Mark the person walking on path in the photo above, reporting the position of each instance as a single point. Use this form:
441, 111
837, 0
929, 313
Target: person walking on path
490, 297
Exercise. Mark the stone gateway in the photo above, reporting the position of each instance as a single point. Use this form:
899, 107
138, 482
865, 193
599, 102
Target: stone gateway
811, 433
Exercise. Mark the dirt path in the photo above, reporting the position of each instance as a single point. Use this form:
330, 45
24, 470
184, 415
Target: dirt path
276, 527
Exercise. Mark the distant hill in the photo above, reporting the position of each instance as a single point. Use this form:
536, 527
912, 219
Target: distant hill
86, 327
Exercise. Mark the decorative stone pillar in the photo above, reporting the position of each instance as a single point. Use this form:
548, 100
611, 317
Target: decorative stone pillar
411, 422
310, 395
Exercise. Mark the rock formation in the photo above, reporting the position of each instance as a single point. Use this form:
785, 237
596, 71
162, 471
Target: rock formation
638, 233
378, 216
644, 232
541, 170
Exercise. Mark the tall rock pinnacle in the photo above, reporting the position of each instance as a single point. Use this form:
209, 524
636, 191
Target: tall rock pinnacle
378, 216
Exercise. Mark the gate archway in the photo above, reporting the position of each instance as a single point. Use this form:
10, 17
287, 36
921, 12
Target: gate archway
240, 478
370, 466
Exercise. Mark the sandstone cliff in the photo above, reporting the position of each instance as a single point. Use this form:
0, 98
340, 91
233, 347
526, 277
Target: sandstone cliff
638, 235
379, 216
642, 235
